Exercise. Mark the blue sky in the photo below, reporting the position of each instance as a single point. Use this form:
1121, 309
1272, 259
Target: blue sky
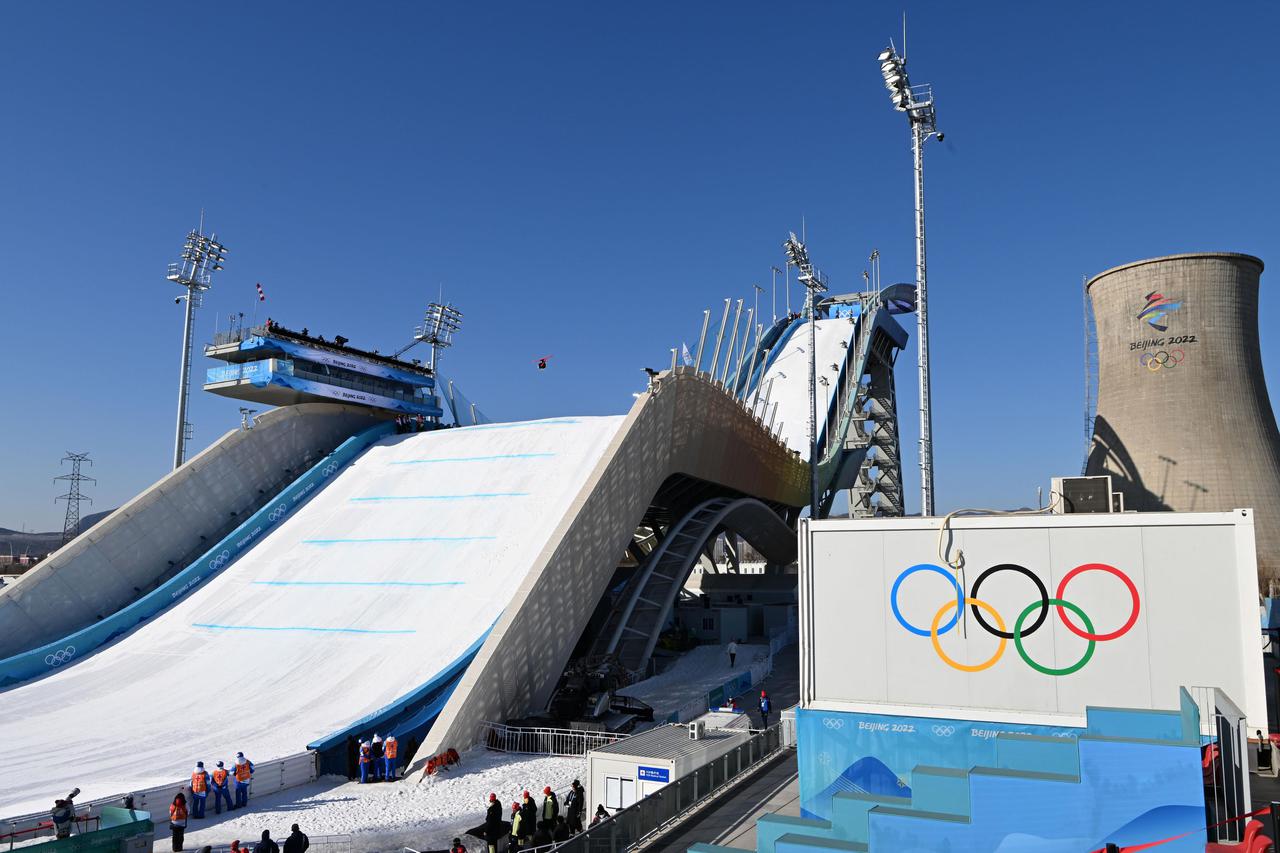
583, 179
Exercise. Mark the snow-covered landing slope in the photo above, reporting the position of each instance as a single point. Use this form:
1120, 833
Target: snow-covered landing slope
379, 583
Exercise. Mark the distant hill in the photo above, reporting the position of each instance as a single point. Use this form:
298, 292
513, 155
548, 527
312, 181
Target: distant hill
42, 543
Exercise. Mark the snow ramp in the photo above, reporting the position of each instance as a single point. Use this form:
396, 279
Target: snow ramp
385, 580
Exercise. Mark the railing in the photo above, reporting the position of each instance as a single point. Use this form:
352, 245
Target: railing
544, 741
660, 810
1226, 769
17, 835
268, 777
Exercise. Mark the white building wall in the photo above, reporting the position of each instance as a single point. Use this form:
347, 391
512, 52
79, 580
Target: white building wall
1197, 621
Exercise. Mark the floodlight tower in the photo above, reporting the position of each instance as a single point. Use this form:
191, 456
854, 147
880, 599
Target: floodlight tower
201, 257
798, 257
438, 326
917, 103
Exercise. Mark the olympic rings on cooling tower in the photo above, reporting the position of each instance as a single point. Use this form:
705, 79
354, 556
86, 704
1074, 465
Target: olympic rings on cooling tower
1154, 361
1044, 603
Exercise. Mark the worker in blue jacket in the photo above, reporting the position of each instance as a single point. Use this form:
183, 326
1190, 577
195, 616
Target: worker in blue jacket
764, 709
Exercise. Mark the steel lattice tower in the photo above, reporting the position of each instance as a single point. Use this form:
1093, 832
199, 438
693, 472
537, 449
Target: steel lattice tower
71, 525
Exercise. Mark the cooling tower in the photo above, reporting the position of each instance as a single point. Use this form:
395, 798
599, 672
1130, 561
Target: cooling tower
1184, 421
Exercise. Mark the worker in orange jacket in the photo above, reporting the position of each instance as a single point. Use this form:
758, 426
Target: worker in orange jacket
389, 750
243, 772
221, 784
199, 790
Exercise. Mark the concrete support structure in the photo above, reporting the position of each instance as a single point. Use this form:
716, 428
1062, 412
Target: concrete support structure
1184, 421
690, 427
153, 536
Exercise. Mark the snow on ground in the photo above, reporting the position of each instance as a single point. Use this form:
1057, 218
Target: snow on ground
692, 676
386, 816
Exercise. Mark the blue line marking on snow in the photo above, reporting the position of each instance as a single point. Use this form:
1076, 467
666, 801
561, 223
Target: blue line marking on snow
303, 628
462, 497
474, 458
360, 583
553, 422
397, 539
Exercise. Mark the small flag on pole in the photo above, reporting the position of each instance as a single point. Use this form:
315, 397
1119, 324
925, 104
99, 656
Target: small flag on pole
685, 356
262, 296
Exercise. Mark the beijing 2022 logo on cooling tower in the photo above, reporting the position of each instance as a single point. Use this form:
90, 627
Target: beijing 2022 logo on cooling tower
1042, 604
1164, 353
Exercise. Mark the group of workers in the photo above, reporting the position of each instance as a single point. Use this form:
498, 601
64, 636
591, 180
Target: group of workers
220, 781
378, 759
532, 825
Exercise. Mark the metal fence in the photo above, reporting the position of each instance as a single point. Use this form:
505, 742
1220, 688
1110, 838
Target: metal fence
268, 777
544, 741
656, 812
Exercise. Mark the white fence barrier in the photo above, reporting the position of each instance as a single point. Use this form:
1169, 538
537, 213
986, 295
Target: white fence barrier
543, 741
268, 777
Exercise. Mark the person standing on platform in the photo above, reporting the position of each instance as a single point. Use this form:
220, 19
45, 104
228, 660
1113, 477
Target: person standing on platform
389, 750
764, 709
178, 820
377, 757
493, 823
733, 652
199, 790
243, 773
575, 804
366, 760
221, 788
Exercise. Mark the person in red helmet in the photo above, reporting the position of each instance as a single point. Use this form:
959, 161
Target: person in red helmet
528, 818
550, 809
493, 823
764, 709
514, 842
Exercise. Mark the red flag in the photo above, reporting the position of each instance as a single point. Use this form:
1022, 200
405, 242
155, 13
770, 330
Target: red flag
262, 296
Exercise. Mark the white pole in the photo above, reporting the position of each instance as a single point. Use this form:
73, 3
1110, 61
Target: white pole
702, 339
922, 330
742, 351
715, 357
813, 405
733, 339
184, 380
751, 367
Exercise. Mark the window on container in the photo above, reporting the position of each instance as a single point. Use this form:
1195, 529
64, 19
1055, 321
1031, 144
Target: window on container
613, 792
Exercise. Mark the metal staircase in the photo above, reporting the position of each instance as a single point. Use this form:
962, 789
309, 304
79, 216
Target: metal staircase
632, 630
